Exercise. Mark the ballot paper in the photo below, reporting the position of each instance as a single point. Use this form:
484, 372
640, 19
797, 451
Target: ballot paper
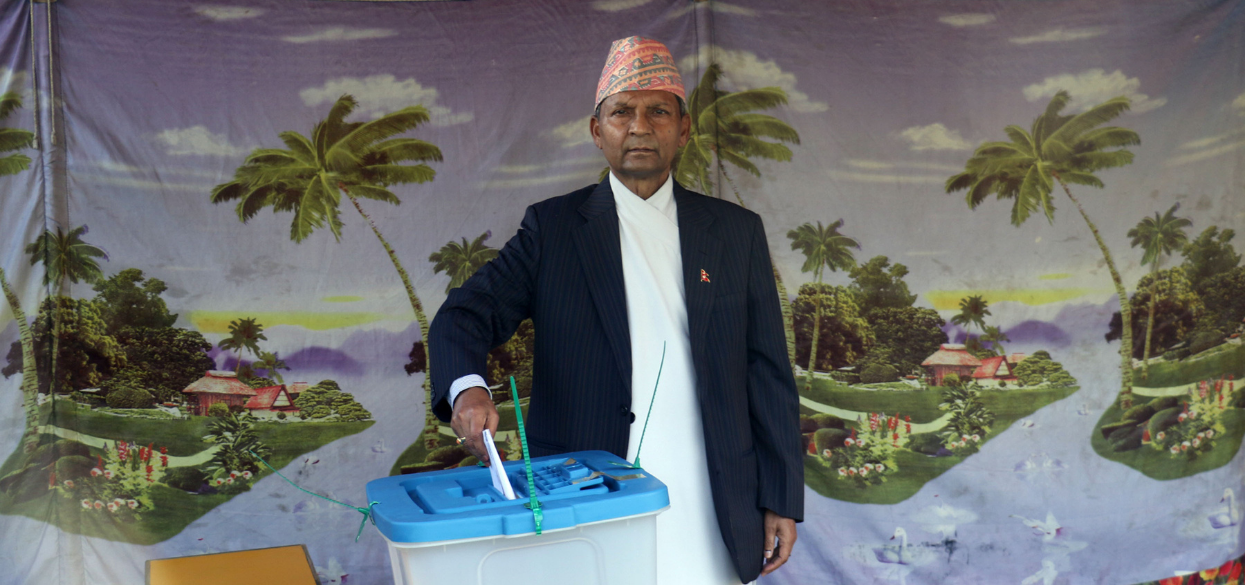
500, 480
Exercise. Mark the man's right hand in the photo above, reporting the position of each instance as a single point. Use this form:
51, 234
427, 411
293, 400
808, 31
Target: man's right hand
474, 411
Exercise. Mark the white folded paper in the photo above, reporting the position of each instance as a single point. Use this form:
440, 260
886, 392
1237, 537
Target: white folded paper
500, 480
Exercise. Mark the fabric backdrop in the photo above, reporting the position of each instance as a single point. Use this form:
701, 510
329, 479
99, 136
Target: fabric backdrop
136, 299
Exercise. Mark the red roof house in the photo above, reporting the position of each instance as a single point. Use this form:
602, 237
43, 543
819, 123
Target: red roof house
950, 358
994, 370
271, 400
217, 386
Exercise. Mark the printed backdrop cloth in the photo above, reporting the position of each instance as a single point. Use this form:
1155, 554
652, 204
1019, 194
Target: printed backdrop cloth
982, 407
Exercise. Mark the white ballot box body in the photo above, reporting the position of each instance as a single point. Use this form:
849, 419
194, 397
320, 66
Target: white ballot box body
452, 527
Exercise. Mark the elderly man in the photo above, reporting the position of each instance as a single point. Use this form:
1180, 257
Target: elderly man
655, 308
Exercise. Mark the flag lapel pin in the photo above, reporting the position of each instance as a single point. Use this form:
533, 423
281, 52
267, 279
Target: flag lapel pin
704, 276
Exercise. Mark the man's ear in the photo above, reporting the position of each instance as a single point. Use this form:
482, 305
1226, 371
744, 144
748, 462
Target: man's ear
594, 127
685, 129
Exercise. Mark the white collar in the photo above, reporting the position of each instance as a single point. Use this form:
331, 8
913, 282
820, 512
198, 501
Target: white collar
662, 200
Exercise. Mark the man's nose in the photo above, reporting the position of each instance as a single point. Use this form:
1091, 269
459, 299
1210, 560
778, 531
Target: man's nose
640, 125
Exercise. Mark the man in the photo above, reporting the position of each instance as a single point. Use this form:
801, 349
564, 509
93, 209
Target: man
646, 298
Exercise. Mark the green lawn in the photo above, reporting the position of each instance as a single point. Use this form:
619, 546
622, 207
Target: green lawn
921, 405
1161, 465
182, 436
916, 469
173, 509
1217, 361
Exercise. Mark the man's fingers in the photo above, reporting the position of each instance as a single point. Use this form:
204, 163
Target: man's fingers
784, 528
769, 539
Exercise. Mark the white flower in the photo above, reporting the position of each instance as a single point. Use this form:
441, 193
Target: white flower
229, 480
1210, 433
869, 467
112, 507
1197, 442
842, 471
880, 468
108, 474
86, 504
132, 503
247, 474
976, 438
863, 472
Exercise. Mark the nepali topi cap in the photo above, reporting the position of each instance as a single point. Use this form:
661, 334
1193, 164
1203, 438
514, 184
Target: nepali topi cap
637, 63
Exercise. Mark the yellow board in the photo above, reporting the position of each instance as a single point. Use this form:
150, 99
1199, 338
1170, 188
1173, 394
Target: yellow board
283, 565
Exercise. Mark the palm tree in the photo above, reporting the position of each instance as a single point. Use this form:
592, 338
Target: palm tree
1158, 236
270, 363
66, 257
973, 311
996, 337
726, 128
358, 159
1057, 149
823, 247
460, 261
12, 139
243, 334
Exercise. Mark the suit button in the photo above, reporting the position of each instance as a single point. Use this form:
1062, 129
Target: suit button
633, 417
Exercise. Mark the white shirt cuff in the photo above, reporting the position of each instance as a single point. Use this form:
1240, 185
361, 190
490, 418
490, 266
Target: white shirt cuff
465, 382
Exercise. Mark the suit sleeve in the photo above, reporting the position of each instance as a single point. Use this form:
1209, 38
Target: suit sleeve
483, 313
772, 398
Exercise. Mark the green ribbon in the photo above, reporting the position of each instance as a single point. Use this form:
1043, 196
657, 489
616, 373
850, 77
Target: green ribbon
636, 464
367, 512
534, 505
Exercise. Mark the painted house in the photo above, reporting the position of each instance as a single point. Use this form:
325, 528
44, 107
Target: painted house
216, 386
996, 369
951, 358
270, 400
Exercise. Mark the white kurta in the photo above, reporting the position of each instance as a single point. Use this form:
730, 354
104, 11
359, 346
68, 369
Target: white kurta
690, 550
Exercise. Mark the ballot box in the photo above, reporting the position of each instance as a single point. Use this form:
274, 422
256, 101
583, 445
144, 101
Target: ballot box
453, 527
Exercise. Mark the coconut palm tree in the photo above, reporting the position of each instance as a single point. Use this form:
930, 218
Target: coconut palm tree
66, 257
13, 139
973, 311
726, 128
823, 247
244, 334
357, 159
1059, 149
996, 337
271, 364
1158, 236
460, 261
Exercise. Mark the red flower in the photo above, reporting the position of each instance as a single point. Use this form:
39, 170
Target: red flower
164, 450
1172, 581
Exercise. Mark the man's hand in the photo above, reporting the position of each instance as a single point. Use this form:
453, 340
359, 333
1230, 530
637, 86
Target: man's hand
784, 530
473, 412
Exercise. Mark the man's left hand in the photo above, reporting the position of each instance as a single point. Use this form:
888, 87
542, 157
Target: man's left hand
782, 529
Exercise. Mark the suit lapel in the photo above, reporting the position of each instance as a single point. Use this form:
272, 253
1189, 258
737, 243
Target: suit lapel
600, 255
700, 251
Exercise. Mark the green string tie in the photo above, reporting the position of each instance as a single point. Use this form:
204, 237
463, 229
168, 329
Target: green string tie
367, 512
636, 464
534, 505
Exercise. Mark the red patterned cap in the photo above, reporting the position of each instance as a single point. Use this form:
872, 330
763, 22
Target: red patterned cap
637, 63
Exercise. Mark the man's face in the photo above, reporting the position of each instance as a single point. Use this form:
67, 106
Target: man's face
640, 132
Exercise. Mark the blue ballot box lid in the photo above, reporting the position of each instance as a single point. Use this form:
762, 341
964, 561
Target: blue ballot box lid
454, 504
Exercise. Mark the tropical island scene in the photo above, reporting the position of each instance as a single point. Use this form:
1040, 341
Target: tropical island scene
1006, 237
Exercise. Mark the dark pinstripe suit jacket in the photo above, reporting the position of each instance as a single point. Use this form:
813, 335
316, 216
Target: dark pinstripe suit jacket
563, 269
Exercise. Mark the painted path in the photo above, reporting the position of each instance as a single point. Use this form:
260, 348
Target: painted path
852, 415
174, 461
